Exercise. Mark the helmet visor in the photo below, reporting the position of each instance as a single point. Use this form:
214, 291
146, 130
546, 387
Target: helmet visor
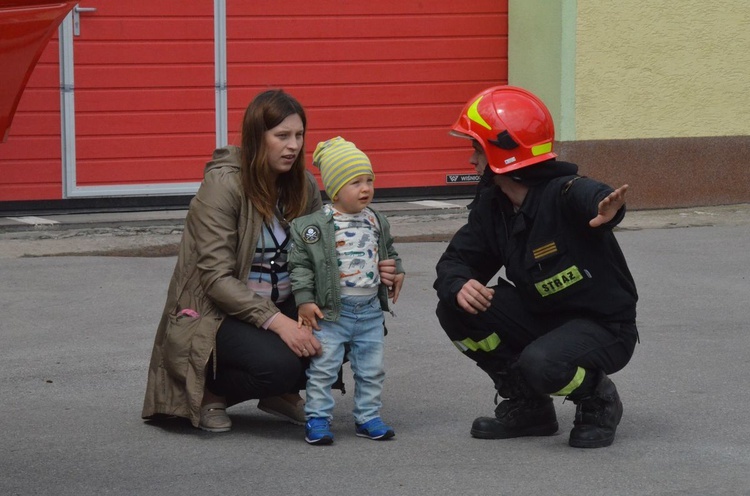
459, 134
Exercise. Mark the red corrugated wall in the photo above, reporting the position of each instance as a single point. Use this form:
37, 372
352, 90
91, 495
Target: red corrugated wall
389, 75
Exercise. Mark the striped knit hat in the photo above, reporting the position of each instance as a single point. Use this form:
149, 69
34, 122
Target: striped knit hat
339, 162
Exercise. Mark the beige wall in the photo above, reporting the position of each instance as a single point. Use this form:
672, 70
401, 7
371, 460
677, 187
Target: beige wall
653, 94
541, 56
631, 69
662, 69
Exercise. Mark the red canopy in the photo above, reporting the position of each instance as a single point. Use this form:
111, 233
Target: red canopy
26, 27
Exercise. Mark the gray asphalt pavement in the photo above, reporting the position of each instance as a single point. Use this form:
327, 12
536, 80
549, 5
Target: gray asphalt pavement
77, 332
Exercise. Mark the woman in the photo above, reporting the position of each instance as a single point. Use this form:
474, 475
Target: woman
229, 332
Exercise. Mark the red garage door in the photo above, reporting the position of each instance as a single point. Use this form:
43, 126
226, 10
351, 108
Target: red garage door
390, 75
144, 99
141, 104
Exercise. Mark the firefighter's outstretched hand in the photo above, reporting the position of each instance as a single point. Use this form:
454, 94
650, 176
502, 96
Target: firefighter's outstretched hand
474, 297
609, 206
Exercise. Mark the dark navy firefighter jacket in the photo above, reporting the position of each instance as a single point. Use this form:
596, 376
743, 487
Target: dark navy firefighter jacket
550, 253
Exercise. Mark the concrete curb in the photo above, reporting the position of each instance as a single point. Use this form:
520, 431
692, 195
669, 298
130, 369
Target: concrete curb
157, 234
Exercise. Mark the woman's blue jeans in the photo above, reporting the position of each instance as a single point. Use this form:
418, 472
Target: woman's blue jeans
360, 326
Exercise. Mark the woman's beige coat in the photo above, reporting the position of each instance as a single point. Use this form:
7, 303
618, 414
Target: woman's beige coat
217, 247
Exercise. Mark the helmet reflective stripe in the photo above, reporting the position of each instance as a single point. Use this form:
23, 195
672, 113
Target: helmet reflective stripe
541, 149
487, 344
473, 114
574, 384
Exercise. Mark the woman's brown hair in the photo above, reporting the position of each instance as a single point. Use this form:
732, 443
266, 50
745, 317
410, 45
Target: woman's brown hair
289, 190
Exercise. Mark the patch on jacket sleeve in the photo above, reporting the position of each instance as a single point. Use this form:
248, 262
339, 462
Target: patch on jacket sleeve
311, 235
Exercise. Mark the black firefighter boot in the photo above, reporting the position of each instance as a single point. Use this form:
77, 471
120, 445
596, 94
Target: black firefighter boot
525, 413
597, 416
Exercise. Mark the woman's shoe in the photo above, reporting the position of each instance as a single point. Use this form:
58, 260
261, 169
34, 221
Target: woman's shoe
214, 418
290, 407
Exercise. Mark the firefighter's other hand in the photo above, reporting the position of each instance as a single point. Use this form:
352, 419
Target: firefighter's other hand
474, 297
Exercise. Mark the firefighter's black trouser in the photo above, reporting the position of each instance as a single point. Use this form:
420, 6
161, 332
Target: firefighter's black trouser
551, 352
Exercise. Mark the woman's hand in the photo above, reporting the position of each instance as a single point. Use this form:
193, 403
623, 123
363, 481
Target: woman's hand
609, 206
395, 289
474, 297
299, 339
390, 278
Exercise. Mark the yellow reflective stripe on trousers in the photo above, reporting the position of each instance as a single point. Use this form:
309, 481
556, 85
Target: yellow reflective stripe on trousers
572, 385
487, 344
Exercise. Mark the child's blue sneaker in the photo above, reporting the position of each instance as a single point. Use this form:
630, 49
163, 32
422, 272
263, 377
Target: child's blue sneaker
375, 429
318, 431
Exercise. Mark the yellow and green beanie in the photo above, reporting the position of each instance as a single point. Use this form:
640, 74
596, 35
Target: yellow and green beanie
339, 162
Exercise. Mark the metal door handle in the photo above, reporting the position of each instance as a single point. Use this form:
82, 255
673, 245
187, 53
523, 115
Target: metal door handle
77, 18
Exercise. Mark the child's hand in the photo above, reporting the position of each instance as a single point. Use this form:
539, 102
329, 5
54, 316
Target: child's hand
308, 313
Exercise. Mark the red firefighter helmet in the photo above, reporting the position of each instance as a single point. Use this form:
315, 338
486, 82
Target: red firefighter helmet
513, 126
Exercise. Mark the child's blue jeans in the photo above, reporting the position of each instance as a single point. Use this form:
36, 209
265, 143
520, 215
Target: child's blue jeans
361, 326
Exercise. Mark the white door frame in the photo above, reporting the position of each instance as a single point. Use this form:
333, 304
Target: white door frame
71, 189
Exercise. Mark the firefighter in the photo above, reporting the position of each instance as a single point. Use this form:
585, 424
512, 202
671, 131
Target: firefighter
561, 318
